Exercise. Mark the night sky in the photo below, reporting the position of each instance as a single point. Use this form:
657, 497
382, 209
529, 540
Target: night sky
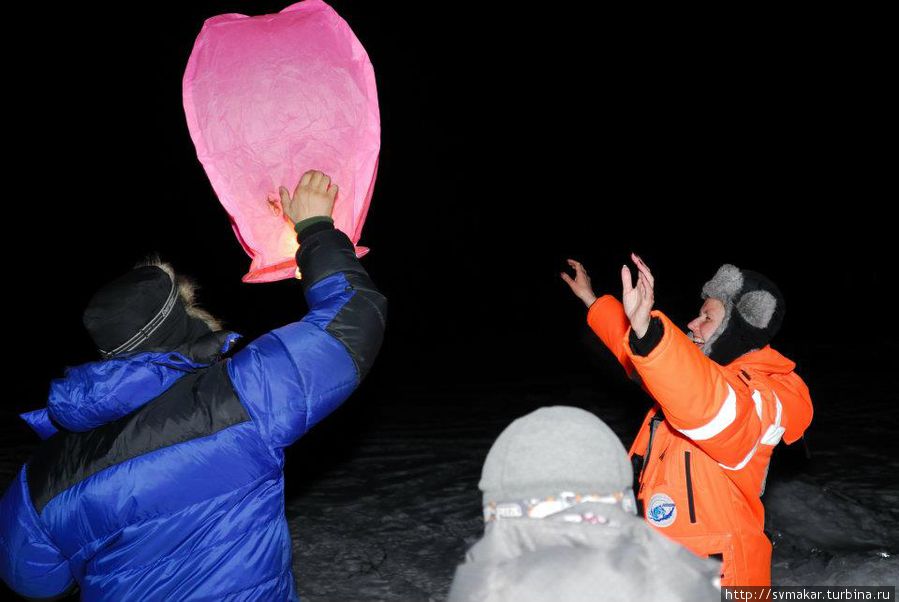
511, 140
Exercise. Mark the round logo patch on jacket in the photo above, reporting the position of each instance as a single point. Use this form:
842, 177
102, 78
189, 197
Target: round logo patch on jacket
661, 510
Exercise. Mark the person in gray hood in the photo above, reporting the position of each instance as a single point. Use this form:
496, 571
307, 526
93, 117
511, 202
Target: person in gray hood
561, 523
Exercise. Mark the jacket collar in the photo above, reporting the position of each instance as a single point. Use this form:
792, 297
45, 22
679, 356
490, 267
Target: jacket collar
779, 375
99, 392
765, 360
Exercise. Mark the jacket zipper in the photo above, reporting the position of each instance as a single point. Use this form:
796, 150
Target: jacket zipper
689, 487
653, 424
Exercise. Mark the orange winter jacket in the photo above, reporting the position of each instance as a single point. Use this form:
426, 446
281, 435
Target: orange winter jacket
708, 439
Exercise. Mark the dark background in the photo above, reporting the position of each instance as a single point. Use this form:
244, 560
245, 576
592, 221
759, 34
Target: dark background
511, 139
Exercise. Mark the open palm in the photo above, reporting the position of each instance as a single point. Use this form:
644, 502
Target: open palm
637, 300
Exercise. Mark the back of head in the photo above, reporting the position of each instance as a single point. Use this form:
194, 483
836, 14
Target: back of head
754, 311
565, 466
552, 451
149, 307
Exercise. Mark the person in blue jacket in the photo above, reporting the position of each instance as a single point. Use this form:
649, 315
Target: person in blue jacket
161, 474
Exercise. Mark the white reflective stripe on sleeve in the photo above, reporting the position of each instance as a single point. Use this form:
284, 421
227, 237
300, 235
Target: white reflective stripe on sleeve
723, 419
745, 460
772, 435
757, 398
775, 431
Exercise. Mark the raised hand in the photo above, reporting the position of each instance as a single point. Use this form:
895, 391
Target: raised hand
313, 196
580, 285
637, 300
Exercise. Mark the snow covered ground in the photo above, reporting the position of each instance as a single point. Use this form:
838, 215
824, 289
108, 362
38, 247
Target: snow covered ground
415, 506
384, 508
835, 518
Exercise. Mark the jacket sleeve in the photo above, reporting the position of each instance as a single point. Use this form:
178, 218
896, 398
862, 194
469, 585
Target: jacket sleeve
30, 563
699, 397
607, 319
292, 377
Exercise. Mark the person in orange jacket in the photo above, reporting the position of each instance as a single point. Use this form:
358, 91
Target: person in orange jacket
723, 400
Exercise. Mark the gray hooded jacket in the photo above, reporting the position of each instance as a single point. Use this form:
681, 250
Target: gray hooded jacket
582, 550
529, 560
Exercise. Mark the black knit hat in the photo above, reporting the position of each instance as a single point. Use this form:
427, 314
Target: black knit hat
754, 310
138, 311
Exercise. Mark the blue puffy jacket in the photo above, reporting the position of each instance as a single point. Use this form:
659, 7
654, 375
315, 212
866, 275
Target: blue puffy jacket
166, 482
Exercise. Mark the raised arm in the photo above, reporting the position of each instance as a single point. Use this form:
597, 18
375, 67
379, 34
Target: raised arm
699, 398
294, 376
605, 315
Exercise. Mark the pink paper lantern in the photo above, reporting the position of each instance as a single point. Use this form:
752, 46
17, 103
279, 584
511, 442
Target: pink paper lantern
270, 97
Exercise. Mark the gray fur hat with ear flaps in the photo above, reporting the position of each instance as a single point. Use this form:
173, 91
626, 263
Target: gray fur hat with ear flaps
754, 310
